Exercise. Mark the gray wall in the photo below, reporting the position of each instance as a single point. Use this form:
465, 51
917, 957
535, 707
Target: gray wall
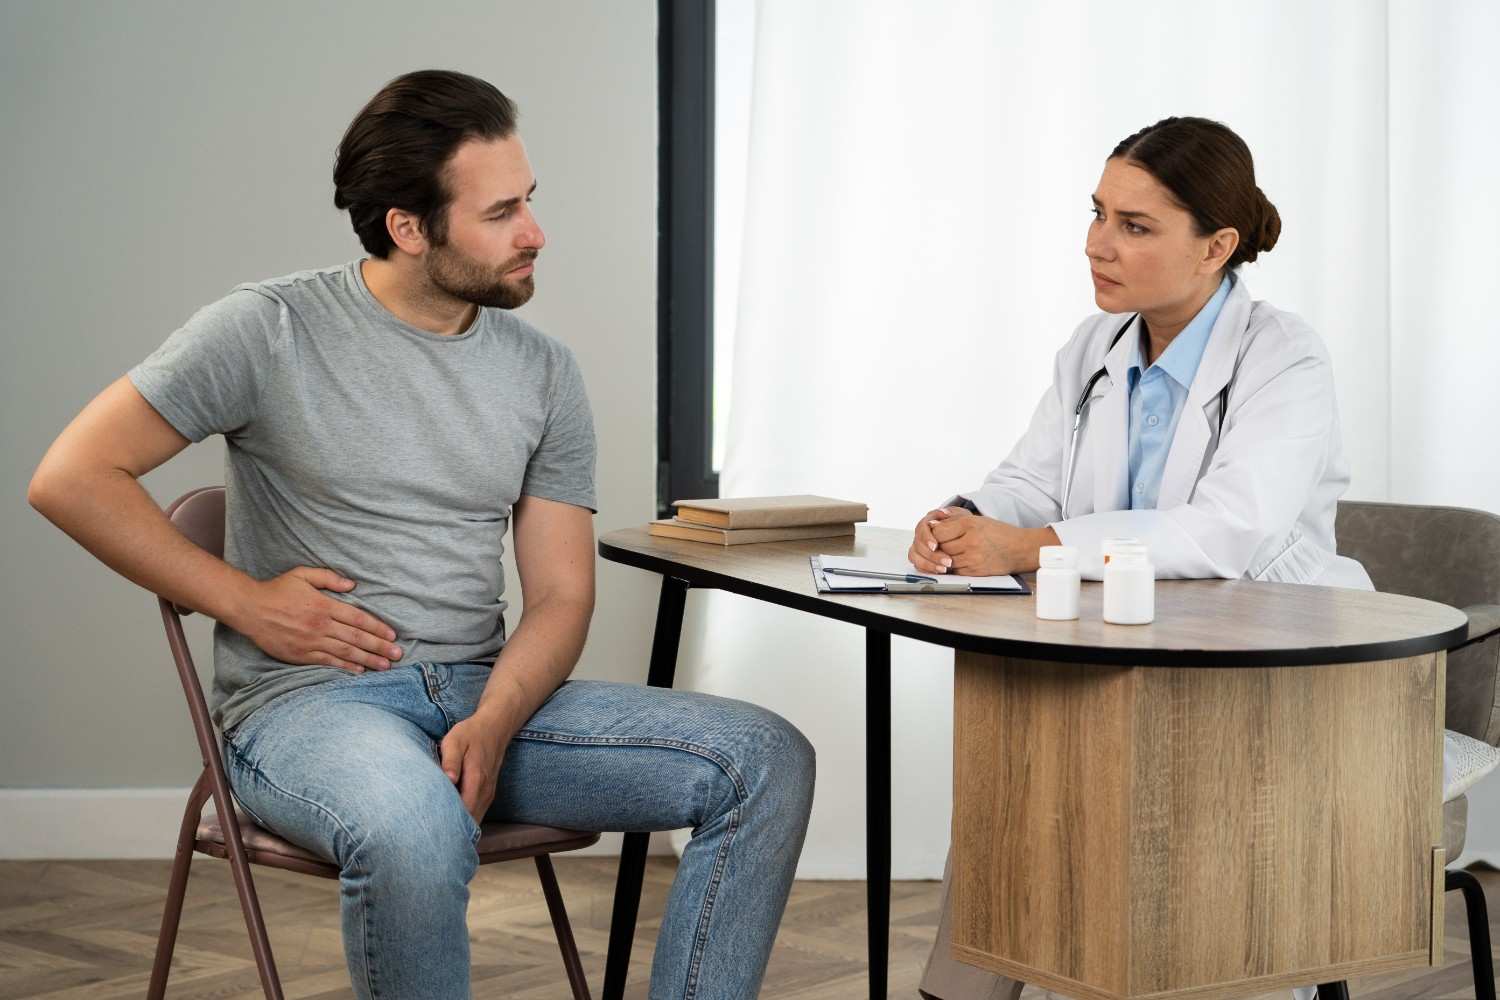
153, 155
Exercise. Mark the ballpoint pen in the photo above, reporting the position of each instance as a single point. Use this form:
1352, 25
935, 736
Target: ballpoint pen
877, 575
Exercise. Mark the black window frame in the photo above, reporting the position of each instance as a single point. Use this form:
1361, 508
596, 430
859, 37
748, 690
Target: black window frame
685, 253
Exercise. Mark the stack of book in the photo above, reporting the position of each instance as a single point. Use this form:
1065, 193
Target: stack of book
740, 520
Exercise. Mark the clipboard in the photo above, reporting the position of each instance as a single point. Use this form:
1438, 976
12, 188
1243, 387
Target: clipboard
914, 584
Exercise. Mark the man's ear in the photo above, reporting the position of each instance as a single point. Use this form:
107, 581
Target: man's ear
1221, 247
406, 231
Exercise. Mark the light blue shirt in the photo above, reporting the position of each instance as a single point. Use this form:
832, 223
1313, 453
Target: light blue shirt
1158, 395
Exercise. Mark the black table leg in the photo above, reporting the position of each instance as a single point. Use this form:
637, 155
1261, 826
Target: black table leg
1479, 931
633, 852
878, 804
1334, 991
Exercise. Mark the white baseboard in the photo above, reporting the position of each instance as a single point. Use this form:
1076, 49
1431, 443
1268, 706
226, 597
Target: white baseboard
101, 823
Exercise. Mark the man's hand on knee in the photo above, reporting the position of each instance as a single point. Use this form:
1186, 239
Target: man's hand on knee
471, 754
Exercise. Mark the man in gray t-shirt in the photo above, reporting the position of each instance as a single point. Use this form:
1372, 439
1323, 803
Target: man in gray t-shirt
387, 421
382, 451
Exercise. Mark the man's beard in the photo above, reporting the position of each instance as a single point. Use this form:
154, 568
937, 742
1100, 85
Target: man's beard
469, 281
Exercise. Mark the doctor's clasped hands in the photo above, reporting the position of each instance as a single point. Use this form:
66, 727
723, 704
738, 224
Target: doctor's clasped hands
954, 540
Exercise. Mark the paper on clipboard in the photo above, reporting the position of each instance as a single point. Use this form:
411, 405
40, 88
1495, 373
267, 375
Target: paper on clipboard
899, 576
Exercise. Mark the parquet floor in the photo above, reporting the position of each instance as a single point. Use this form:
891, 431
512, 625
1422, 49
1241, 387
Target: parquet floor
87, 930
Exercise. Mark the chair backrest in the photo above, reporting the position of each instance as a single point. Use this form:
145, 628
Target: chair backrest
198, 514
1447, 554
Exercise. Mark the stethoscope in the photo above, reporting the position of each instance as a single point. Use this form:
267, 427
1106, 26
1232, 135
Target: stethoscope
1086, 397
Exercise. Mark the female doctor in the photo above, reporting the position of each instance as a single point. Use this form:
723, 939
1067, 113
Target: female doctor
1186, 415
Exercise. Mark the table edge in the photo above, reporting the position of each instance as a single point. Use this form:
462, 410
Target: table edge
1299, 656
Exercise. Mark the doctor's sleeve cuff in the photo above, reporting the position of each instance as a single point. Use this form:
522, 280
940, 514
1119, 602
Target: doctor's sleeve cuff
959, 500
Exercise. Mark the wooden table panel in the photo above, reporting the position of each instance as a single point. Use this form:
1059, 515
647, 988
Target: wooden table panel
1172, 832
1041, 843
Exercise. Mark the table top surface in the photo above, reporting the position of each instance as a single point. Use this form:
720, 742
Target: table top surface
1199, 623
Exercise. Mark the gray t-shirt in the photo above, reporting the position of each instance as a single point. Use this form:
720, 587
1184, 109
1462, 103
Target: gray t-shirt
362, 444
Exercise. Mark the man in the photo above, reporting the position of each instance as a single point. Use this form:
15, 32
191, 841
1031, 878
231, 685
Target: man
384, 421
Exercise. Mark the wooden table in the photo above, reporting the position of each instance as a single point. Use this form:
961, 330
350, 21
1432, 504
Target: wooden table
1244, 794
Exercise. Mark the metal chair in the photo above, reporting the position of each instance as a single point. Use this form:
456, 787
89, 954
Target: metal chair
1452, 555
200, 516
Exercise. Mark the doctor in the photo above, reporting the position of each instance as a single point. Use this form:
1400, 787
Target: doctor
1206, 422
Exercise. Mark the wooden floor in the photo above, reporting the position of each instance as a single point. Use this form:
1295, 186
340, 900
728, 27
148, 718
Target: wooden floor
87, 929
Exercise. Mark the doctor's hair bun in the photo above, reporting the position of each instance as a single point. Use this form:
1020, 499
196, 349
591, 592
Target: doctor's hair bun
1210, 172
1270, 225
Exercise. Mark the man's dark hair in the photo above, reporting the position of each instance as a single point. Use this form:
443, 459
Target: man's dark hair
394, 152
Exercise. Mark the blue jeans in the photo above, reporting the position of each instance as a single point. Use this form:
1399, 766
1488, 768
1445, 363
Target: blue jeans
348, 769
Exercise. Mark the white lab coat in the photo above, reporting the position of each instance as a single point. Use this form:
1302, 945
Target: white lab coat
1258, 504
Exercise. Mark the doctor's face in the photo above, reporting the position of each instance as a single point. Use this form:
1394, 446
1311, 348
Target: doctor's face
1143, 248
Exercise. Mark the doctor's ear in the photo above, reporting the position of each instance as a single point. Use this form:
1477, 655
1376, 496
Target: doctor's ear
1221, 247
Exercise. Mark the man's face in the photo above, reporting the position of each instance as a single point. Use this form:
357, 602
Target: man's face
489, 251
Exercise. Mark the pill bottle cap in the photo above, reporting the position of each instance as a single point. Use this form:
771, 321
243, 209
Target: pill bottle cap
1109, 545
1129, 553
1058, 557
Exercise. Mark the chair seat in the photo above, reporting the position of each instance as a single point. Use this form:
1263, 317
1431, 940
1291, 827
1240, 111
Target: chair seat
497, 842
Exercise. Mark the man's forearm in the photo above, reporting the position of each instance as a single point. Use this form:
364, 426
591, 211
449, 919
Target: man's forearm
111, 515
534, 662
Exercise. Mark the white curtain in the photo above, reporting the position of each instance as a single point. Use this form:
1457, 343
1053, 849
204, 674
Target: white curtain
917, 186
1445, 339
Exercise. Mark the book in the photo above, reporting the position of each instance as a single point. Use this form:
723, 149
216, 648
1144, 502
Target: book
863, 575
770, 512
673, 528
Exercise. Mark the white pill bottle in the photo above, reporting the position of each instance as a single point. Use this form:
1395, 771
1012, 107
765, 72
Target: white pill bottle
1129, 585
1057, 583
